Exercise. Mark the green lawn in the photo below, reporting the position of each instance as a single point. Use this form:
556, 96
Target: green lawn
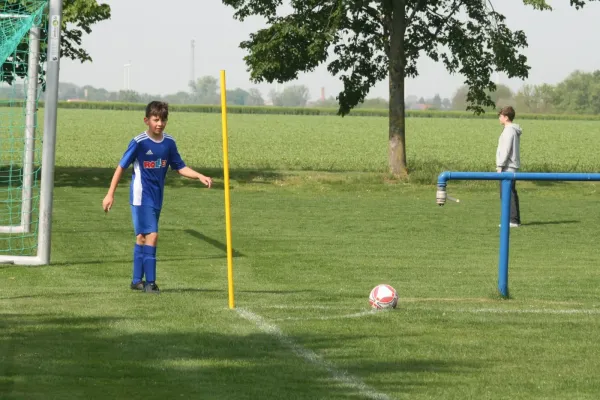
308, 246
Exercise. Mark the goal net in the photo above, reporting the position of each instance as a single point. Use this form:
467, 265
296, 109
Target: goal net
29, 40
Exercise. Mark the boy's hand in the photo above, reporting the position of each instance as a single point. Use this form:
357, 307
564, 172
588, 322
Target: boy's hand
498, 169
206, 180
107, 202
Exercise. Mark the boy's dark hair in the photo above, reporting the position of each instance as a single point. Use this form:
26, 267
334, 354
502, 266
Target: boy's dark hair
157, 109
508, 111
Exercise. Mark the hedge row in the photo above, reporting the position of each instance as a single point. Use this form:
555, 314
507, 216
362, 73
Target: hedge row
310, 111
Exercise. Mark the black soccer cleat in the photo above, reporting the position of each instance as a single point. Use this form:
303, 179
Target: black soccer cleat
151, 288
137, 286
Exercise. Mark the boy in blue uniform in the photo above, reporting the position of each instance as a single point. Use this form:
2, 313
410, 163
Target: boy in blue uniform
151, 153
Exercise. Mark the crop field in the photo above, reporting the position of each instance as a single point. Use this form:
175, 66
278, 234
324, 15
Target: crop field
317, 223
330, 144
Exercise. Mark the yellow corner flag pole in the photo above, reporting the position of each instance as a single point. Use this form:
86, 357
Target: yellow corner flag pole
227, 200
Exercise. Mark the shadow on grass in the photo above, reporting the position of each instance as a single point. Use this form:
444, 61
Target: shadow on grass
112, 261
200, 290
219, 245
101, 177
566, 221
62, 295
426, 171
420, 172
80, 357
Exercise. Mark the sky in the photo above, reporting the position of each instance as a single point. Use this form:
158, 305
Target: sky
156, 40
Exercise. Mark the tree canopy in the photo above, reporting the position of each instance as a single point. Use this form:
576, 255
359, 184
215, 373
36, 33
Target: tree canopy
365, 41
354, 38
579, 93
78, 18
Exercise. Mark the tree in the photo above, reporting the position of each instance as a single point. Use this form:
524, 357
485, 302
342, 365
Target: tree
69, 91
78, 18
410, 100
579, 93
499, 95
374, 103
436, 102
237, 97
180, 97
329, 102
446, 103
374, 40
535, 99
204, 90
129, 96
255, 98
94, 94
291, 96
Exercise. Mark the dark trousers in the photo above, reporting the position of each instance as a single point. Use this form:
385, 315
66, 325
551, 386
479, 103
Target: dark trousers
515, 212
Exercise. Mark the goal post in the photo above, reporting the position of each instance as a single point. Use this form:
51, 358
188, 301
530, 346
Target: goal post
26, 173
24, 225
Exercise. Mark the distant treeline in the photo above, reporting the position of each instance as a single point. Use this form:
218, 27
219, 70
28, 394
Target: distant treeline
576, 97
578, 94
364, 112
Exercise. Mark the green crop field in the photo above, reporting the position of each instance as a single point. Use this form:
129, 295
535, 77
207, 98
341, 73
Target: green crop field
317, 223
330, 144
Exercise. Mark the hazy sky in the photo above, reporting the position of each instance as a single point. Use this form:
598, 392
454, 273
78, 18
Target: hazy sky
155, 36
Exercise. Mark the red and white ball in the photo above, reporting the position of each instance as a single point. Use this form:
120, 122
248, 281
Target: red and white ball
383, 296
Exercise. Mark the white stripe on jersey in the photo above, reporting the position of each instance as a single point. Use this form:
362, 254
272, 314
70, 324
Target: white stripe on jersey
137, 184
141, 137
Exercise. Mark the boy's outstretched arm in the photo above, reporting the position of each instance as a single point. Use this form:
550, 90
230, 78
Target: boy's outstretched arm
110, 196
190, 173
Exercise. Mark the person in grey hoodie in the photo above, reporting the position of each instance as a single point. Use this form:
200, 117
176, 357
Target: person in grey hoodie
508, 157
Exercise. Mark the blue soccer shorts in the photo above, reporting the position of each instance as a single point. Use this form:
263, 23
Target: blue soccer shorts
145, 219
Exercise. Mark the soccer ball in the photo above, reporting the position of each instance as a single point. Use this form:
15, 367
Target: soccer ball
383, 296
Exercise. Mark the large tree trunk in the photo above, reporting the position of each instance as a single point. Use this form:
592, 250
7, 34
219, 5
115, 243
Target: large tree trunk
397, 151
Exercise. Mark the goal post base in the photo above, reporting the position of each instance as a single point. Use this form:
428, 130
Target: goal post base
22, 260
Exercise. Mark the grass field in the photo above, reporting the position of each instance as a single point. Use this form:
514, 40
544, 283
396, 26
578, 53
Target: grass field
316, 225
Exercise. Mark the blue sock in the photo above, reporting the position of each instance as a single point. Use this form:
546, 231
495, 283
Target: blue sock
138, 268
150, 263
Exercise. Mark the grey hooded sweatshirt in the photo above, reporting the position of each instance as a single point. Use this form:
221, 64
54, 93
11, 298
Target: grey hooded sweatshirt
508, 155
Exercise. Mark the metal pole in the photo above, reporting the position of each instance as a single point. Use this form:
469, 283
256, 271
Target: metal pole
30, 125
126, 75
49, 144
504, 237
518, 176
193, 66
506, 178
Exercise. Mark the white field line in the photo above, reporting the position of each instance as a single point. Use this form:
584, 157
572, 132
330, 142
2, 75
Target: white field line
412, 300
556, 311
301, 307
328, 317
529, 311
312, 357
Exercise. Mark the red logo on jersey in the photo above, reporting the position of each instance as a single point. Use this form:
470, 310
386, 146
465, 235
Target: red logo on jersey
155, 164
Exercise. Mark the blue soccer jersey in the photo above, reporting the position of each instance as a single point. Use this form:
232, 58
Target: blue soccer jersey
150, 161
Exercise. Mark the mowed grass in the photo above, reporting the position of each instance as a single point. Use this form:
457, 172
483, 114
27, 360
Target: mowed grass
310, 241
